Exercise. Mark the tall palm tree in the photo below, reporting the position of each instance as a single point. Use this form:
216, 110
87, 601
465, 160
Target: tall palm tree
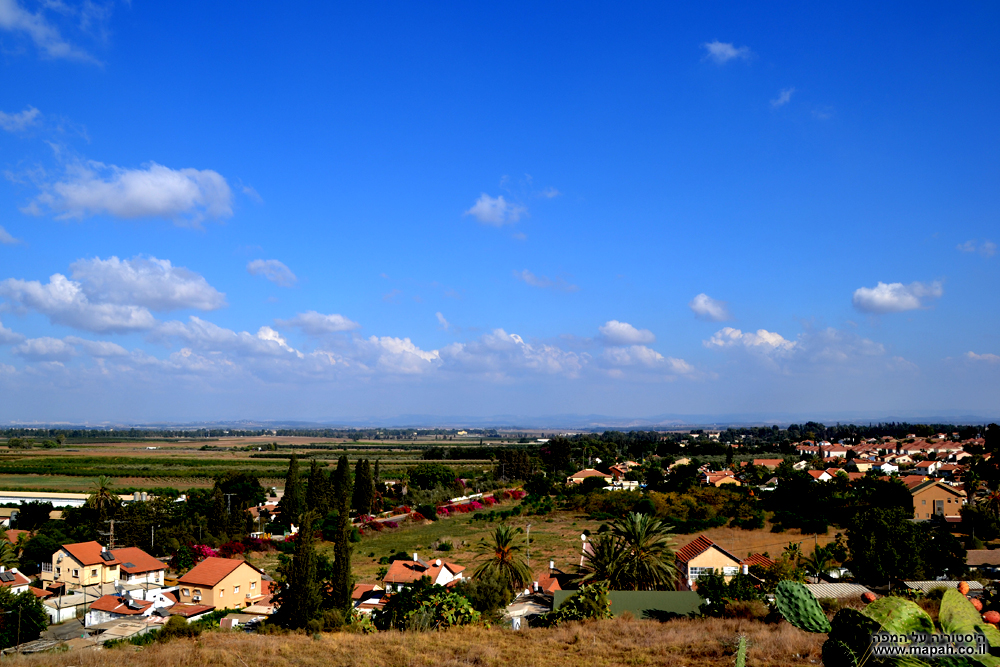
102, 498
503, 560
8, 554
603, 562
647, 558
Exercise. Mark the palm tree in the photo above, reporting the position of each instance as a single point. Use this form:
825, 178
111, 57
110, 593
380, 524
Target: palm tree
604, 562
503, 562
647, 558
102, 498
8, 554
819, 563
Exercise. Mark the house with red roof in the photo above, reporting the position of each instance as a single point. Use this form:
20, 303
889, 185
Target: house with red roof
402, 573
223, 583
703, 556
578, 477
13, 580
81, 564
114, 607
138, 567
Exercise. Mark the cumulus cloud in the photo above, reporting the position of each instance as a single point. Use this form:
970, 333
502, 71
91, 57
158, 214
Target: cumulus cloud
6, 238
186, 196
22, 120
763, 340
500, 354
784, 97
722, 52
705, 307
397, 355
986, 248
318, 324
145, 281
15, 18
623, 333
496, 211
97, 348
65, 302
895, 297
550, 193
640, 355
201, 334
8, 337
45, 349
985, 358
545, 282
273, 270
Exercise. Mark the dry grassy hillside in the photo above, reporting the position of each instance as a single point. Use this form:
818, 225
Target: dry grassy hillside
682, 643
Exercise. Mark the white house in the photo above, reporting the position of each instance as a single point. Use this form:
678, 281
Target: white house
402, 573
13, 580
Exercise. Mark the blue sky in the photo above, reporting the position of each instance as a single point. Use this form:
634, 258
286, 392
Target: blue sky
326, 212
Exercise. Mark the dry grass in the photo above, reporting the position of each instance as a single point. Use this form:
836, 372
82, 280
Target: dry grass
684, 643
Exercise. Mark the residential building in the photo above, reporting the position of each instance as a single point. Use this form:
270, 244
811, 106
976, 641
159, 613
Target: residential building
578, 477
703, 556
82, 564
932, 498
13, 580
114, 607
402, 573
138, 567
223, 583
770, 464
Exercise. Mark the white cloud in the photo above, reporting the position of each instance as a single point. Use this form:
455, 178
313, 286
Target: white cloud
496, 211
145, 281
97, 348
46, 37
8, 337
986, 248
273, 270
186, 196
784, 97
705, 307
640, 355
499, 354
317, 324
22, 120
895, 297
986, 357
544, 282
45, 349
723, 52
6, 238
65, 302
398, 355
763, 340
201, 334
443, 322
550, 193
623, 333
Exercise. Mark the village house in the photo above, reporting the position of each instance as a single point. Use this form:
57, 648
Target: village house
926, 467
703, 556
770, 464
115, 607
578, 477
932, 498
13, 580
223, 583
138, 567
402, 573
81, 565
710, 478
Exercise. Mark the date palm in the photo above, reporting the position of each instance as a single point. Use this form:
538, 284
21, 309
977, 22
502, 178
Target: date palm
603, 562
102, 498
503, 560
647, 553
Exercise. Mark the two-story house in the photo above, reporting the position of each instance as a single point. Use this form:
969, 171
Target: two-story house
223, 583
81, 565
138, 567
932, 498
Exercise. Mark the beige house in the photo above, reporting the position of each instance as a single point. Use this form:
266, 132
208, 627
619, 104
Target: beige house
934, 498
81, 564
703, 556
223, 583
578, 477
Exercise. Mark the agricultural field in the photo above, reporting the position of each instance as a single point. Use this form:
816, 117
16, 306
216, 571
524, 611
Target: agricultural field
184, 464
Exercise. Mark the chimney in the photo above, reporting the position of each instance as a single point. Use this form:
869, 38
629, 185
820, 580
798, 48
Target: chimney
415, 559
746, 569
552, 565
438, 562
536, 586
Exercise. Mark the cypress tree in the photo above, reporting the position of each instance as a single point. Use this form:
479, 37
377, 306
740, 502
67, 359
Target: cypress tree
341, 584
301, 600
364, 488
291, 503
317, 494
375, 473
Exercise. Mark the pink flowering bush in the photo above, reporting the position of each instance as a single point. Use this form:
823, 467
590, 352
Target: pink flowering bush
518, 494
202, 551
390, 524
488, 502
417, 516
475, 505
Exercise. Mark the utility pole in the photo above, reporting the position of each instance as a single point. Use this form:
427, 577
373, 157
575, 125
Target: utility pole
527, 542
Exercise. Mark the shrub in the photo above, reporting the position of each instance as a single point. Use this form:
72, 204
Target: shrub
753, 610
355, 535
427, 511
591, 601
444, 546
177, 627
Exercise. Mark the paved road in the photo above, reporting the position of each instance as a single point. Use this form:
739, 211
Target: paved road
67, 630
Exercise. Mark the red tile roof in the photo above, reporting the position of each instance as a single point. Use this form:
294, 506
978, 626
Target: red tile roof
19, 580
189, 610
361, 590
698, 546
211, 571
757, 559
39, 593
407, 571
13, 534
88, 553
116, 605
141, 562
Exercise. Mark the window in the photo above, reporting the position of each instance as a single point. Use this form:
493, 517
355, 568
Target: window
76, 573
222, 592
185, 592
197, 591
236, 590
923, 502
695, 572
93, 573
253, 585
730, 571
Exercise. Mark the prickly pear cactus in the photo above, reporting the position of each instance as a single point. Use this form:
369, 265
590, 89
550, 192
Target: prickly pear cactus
899, 616
800, 608
958, 616
838, 654
741, 652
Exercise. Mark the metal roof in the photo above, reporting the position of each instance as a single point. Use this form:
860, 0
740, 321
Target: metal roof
839, 590
927, 586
